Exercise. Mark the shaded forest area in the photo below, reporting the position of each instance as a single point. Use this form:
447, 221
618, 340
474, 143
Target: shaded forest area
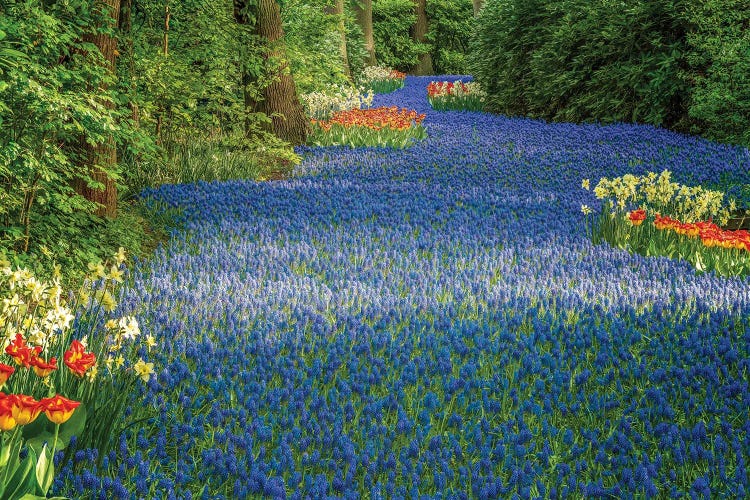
102, 99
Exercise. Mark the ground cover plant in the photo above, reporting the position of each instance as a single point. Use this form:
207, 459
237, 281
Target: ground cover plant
385, 126
435, 321
456, 95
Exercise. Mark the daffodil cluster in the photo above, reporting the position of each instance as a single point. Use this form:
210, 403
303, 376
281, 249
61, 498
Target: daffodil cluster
36, 309
320, 105
658, 193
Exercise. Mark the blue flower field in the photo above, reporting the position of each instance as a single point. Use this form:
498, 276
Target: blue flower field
434, 323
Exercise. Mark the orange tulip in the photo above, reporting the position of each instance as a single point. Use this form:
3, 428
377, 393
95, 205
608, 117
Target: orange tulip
78, 360
5, 372
43, 368
20, 351
637, 217
59, 409
25, 409
7, 422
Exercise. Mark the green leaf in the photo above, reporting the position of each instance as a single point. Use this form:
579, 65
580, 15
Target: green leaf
73, 427
29, 496
45, 470
22, 480
37, 443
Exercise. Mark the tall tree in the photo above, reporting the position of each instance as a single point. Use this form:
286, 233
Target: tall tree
100, 158
363, 12
419, 32
337, 9
243, 17
477, 6
280, 100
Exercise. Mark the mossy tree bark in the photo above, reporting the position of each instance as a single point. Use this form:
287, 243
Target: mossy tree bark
101, 158
419, 32
363, 12
477, 6
280, 101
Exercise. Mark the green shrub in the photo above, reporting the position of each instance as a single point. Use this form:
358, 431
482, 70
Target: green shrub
719, 59
392, 21
312, 43
50, 104
450, 28
680, 64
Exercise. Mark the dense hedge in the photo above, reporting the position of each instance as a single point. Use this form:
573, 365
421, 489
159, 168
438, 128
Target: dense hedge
674, 63
449, 31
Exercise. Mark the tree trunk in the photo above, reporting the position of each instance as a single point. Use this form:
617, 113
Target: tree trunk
167, 18
242, 18
280, 101
337, 9
419, 30
363, 11
125, 28
100, 158
477, 6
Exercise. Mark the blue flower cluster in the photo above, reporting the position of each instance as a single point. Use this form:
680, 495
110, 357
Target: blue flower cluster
433, 323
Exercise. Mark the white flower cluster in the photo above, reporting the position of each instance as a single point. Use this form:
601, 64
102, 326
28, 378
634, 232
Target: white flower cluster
322, 104
374, 73
31, 307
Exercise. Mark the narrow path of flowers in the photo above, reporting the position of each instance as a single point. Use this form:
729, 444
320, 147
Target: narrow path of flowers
434, 321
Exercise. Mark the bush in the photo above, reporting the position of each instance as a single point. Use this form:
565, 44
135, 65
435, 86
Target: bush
719, 58
672, 64
394, 47
49, 105
450, 27
312, 44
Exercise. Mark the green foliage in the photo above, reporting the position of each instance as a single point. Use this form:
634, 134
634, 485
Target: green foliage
385, 86
51, 104
195, 85
577, 61
720, 62
194, 158
392, 21
355, 45
450, 28
358, 136
676, 64
312, 44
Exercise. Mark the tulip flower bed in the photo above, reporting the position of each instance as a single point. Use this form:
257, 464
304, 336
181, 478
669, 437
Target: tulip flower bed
40, 326
381, 80
700, 241
435, 322
383, 126
456, 95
